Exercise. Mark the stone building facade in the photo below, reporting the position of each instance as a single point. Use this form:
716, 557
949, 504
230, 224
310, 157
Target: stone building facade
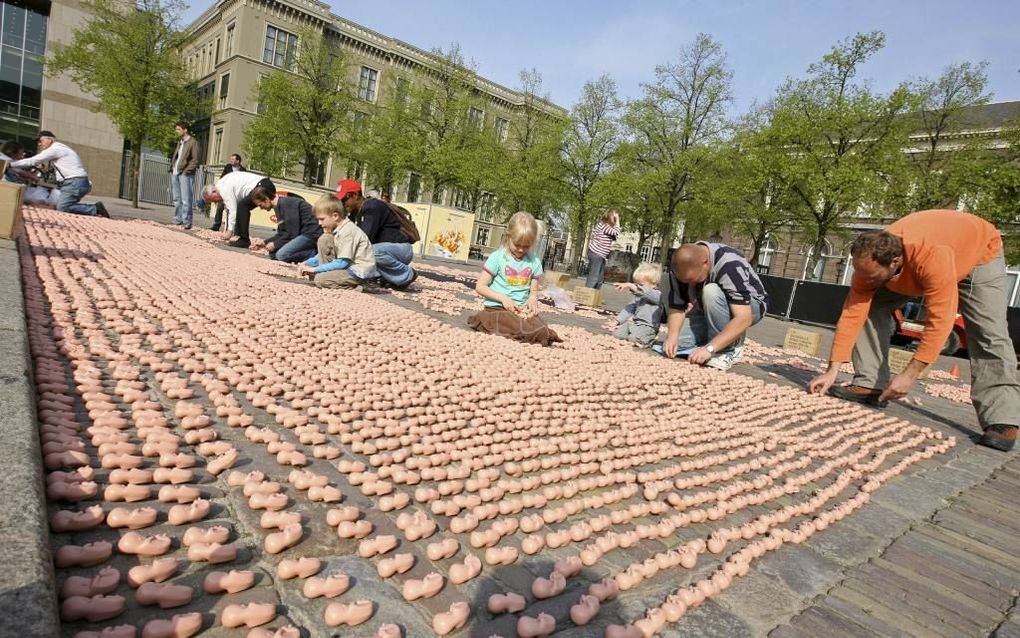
30, 100
234, 43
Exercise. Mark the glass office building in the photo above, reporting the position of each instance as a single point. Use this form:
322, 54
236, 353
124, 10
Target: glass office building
23, 38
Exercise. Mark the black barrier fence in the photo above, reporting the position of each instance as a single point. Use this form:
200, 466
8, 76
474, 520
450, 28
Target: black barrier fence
807, 301
820, 304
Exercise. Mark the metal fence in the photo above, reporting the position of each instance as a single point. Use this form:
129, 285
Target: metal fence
154, 180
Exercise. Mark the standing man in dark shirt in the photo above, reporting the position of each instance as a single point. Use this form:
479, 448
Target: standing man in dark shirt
714, 288
233, 166
298, 232
390, 245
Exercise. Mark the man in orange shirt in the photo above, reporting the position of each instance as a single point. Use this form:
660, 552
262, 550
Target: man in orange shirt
955, 261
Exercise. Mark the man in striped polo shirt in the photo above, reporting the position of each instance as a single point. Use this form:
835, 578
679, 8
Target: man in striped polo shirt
714, 288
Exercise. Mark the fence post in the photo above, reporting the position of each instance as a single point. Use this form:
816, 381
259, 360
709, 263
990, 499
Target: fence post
793, 293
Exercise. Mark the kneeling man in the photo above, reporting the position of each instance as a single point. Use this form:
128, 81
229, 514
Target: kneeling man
955, 261
718, 293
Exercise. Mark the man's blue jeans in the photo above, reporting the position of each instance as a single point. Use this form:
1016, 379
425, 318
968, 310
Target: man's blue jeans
295, 251
182, 188
702, 327
71, 192
393, 263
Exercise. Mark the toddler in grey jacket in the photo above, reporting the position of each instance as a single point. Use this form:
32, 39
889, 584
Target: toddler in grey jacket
639, 320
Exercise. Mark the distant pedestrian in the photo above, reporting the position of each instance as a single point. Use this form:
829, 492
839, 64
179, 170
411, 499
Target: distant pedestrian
599, 246
233, 166
72, 178
240, 192
183, 165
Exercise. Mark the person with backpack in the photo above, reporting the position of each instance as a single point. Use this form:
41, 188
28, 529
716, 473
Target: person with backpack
388, 228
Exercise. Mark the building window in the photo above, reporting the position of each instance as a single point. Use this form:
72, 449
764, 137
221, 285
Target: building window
230, 41
218, 146
414, 187
766, 253
360, 124
646, 253
356, 170
316, 173
502, 129
280, 49
367, 84
224, 90
21, 70
217, 50
487, 207
461, 199
818, 272
476, 117
627, 248
482, 236
403, 94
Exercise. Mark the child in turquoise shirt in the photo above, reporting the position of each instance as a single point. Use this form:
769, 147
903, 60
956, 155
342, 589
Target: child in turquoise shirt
509, 283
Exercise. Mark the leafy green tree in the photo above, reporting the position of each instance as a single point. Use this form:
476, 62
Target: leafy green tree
934, 157
676, 121
304, 110
841, 140
448, 109
128, 56
991, 188
530, 176
631, 186
588, 145
391, 139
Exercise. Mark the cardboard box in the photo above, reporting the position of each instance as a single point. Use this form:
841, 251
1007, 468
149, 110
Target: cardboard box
898, 360
11, 198
587, 296
803, 341
553, 278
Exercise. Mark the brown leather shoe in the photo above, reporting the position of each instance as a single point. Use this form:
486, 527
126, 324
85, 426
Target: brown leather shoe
858, 394
999, 437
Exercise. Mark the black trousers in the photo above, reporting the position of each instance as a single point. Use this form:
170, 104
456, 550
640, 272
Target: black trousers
244, 209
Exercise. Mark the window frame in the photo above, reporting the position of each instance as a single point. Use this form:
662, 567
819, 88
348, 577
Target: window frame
372, 86
290, 43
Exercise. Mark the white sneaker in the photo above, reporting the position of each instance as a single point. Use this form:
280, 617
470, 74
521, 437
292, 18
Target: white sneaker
722, 361
737, 352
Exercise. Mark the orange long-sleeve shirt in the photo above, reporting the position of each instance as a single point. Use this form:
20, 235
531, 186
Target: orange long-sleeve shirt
940, 248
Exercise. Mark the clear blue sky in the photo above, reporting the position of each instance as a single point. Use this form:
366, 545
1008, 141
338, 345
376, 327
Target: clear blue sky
766, 41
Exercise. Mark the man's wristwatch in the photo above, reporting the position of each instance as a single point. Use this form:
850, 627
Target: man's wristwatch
710, 348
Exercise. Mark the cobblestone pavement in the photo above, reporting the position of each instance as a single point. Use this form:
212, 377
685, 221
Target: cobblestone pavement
924, 553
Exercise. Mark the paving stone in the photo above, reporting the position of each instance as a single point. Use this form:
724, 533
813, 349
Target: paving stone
944, 538
962, 561
913, 499
709, 620
865, 534
983, 531
1007, 630
937, 592
760, 600
822, 620
879, 610
929, 567
801, 569
913, 601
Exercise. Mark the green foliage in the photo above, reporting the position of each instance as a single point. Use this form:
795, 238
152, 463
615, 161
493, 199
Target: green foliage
305, 112
390, 141
589, 142
128, 56
840, 139
529, 177
674, 125
992, 189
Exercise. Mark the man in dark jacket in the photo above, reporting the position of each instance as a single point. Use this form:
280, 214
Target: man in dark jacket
298, 232
183, 165
390, 245
233, 166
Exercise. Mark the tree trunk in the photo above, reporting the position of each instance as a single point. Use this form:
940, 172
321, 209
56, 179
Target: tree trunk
666, 232
579, 237
136, 170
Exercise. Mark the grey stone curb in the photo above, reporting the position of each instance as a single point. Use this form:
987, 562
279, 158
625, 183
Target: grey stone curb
28, 601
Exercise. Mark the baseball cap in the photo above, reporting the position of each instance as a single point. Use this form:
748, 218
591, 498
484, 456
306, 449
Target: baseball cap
45, 133
347, 186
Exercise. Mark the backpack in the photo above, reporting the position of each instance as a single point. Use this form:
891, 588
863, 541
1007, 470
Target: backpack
407, 225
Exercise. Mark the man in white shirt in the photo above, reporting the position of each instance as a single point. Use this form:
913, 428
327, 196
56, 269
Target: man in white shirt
72, 179
240, 192
183, 165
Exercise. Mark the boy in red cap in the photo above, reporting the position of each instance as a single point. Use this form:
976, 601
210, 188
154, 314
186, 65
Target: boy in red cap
391, 247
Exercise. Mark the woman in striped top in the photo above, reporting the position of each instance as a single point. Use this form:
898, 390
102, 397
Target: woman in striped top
602, 238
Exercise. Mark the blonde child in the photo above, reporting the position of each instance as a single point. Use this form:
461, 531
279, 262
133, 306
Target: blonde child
344, 258
639, 320
509, 283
